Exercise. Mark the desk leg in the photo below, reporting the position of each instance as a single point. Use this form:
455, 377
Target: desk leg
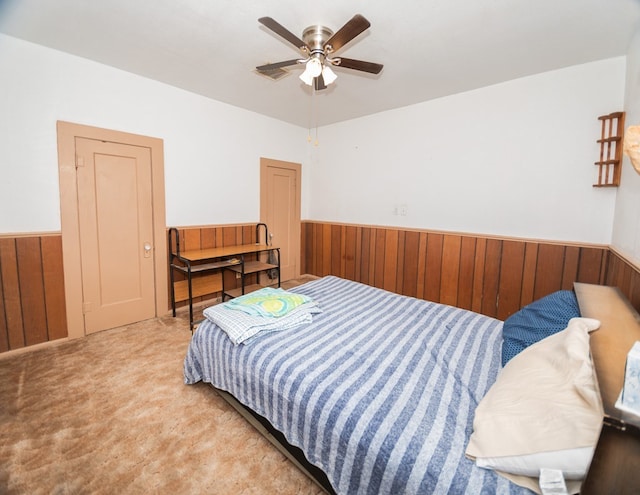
190, 299
222, 274
242, 277
173, 291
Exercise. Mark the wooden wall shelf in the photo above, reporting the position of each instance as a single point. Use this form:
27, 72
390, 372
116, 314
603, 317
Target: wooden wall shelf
609, 165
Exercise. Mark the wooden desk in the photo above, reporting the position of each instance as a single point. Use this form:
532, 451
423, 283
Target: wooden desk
210, 263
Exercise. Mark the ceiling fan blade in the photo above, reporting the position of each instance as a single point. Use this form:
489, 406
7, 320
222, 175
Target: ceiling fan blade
282, 31
346, 33
277, 65
318, 83
349, 63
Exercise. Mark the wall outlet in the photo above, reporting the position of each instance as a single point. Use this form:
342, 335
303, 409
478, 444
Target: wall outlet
238, 275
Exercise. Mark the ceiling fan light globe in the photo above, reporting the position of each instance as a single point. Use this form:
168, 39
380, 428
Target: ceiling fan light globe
328, 75
314, 66
306, 77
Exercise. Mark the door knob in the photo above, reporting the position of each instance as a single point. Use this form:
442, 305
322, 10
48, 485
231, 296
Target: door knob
147, 249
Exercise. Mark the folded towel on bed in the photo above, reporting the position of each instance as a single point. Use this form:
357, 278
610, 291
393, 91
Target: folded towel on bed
240, 326
269, 302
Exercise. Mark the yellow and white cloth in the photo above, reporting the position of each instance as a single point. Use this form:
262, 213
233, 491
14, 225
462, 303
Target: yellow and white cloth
265, 310
269, 302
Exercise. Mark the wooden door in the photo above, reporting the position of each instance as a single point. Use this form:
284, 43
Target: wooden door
115, 220
280, 210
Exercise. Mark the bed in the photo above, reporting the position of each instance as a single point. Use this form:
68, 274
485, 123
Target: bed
378, 391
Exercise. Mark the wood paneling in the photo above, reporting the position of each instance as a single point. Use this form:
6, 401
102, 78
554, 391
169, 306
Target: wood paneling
433, 266
549, 269
31, 276
492, 276
467, 261
450, 271
478, 275
591, 265
487, 275
410, 264
13, 326
54, 286
32, 302
350, 250
529, 273
336, 248
622, 274
4, 331
511, 274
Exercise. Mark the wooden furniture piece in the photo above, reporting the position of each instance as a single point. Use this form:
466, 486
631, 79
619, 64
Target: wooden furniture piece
614, 468
204, 269
610, 163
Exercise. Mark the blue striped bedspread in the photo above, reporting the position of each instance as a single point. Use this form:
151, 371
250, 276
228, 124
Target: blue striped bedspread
378, 391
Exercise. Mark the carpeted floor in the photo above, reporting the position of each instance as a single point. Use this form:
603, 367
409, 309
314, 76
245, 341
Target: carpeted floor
110, 414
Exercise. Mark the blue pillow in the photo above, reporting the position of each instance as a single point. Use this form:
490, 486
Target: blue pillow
538, 320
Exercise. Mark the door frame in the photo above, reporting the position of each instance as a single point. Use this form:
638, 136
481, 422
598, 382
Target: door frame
266, 163
67, 133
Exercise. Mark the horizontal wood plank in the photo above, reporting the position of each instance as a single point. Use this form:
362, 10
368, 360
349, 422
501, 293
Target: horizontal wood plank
200, 286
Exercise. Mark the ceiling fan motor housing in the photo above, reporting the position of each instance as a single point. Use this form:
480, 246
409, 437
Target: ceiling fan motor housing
315, 38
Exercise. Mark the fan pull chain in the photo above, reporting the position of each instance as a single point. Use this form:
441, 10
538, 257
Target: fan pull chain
313, 117
315, 114
310, 118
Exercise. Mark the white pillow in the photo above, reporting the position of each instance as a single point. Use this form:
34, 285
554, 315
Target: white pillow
543, 411
573, 463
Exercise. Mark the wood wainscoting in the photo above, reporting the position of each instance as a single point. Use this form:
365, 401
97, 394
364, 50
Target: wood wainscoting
32, 301
493, 276
624, 275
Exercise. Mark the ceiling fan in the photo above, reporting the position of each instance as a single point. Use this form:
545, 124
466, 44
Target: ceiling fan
318, 44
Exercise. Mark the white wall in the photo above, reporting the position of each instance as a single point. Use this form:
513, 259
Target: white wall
512, 159
212, 150
626, 228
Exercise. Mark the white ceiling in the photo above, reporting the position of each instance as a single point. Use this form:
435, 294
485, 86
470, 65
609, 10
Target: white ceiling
429, 48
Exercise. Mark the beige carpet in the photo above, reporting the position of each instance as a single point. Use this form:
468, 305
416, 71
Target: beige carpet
110, 414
